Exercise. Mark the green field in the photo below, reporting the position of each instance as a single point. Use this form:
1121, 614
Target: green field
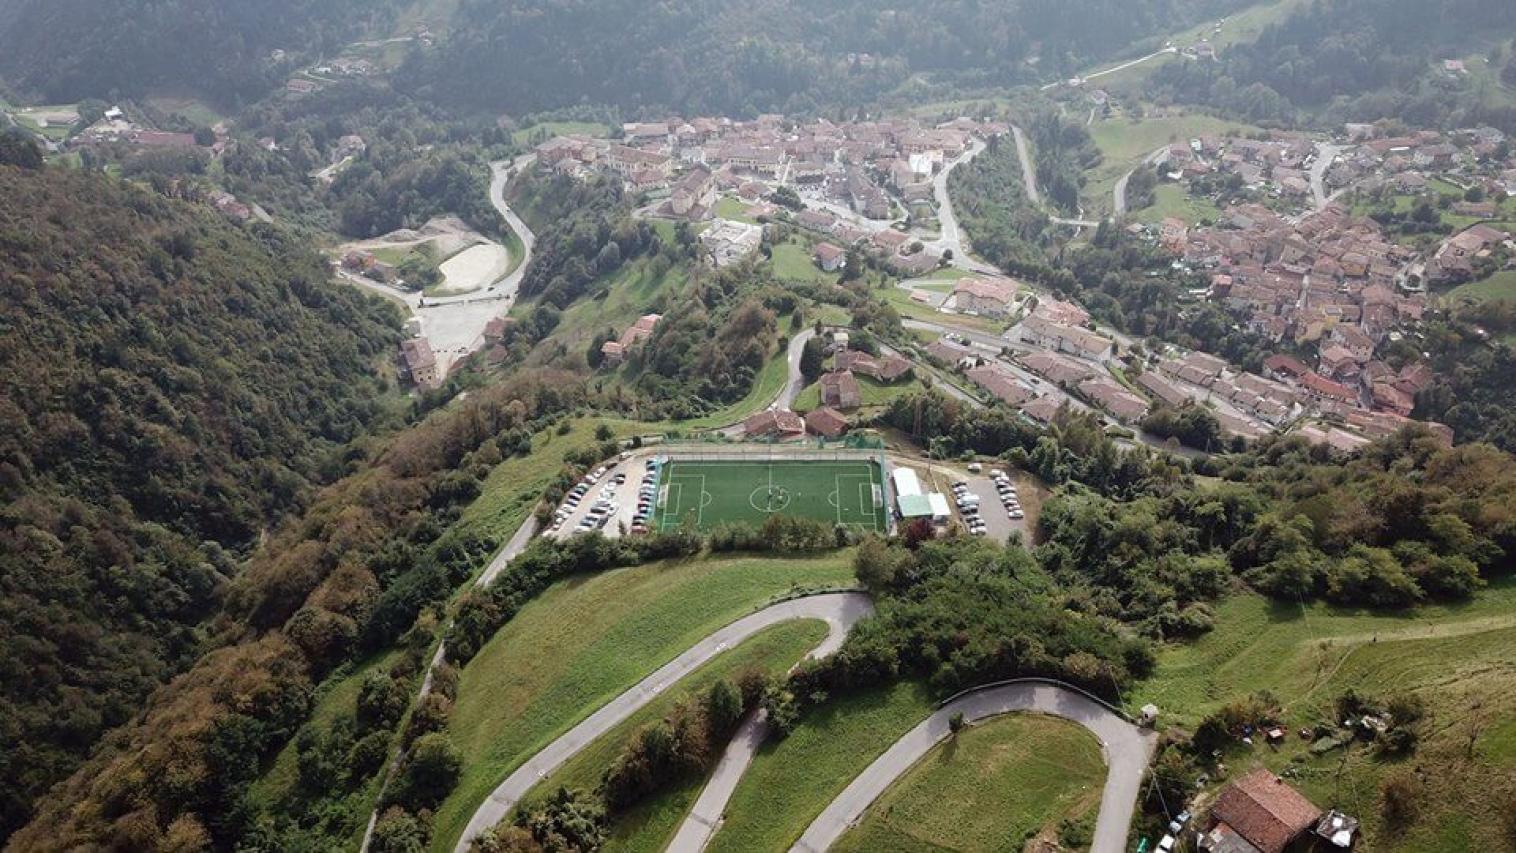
1459, 659
992, 787
586, 640
792, 262
1501, 285
735, 209
1172, 200
873, 392
651, 825
791, 780
549, 129
706, 494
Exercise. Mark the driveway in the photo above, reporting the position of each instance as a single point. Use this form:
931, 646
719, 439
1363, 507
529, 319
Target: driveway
1127, 750
838, 610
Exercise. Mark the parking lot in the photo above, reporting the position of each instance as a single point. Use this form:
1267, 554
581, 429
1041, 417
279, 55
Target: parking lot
994, 515
607, 498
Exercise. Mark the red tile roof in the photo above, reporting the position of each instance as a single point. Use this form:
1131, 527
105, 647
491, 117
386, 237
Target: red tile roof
1264, 810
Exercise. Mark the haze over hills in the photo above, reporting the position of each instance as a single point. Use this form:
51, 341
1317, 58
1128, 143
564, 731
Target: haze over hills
446, 424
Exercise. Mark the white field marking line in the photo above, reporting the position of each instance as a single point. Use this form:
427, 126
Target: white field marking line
840, 480
672, 500
700, 503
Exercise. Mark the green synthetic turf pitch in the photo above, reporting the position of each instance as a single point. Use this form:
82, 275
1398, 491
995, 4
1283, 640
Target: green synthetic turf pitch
710, 493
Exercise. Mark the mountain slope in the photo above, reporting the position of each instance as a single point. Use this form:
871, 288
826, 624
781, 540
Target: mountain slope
65, 50
171, 385
727, 56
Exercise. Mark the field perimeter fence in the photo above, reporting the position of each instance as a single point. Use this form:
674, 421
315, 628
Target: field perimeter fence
699, 452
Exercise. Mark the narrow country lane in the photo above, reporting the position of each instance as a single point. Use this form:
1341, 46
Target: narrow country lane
1127, 748
839, 610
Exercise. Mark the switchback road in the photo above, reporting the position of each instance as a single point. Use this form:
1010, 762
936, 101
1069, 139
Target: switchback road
1127, 751
838, 610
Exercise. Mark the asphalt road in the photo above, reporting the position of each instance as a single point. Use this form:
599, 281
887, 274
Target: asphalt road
1127, 752
839, 610
1118, 203
796, 381
706, 815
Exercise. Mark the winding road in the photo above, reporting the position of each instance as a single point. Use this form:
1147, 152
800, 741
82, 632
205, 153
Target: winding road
1029, 181
839, 610
1118, 203
454, 325
1127, 751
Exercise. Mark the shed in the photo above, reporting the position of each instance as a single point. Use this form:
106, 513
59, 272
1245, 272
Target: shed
905, 481
915, 506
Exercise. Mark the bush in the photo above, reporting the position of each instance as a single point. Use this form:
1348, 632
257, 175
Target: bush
368, 755
569, 820
381, 701
430, 772
1400, 799
398, 831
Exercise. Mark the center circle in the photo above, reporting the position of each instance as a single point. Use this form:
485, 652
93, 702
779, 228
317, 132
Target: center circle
769, 499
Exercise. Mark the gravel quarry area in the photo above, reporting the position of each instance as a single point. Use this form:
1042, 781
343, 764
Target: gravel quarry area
474, 268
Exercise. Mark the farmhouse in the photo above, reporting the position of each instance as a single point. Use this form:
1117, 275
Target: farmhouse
826, 421
774, 423
886, 369
1258, 812
839, 389
420, 363
640, 330
829, 257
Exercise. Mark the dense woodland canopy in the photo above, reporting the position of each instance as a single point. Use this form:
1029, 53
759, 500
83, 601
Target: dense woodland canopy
1356, 60
171, 386
745, 57
66, 50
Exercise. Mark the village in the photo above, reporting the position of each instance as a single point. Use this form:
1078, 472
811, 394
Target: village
1328, 287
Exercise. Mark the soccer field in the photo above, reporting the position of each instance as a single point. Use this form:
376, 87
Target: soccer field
711, 493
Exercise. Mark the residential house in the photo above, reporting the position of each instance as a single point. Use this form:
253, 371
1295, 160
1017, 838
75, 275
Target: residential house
992, 297
694, 195
1058, 369
816, 220
1000, 382
1074, 340
1163, 389
1262, 812
826, 421
1125, 405
890, 241
420, 363
781, 424
951, 352
829, 257
839, 389
1042, 410
612, 353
